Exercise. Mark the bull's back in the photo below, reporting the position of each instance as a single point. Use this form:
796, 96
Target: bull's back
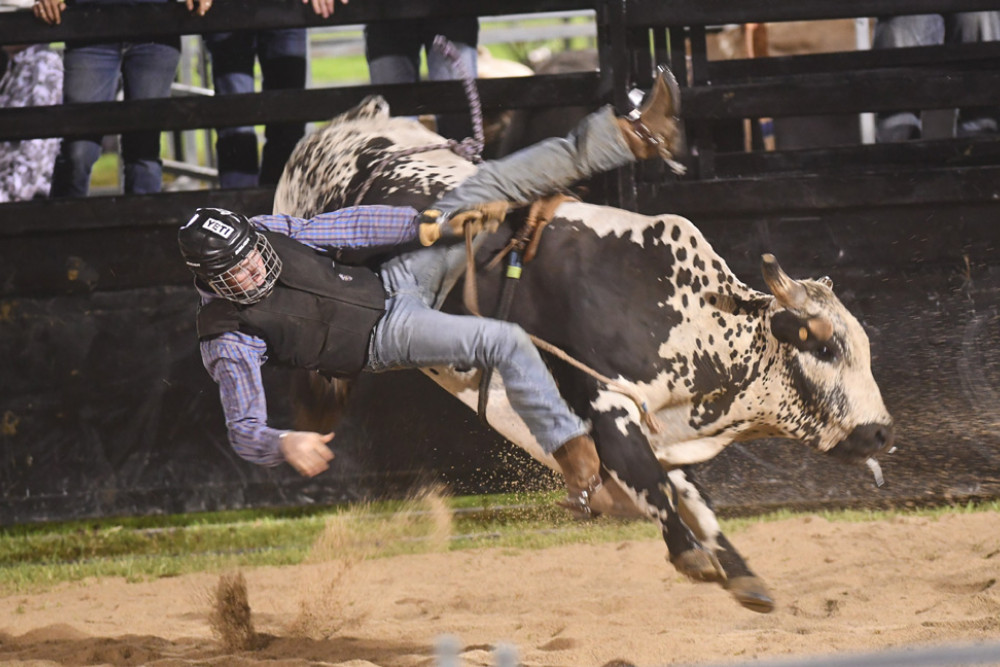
367, 159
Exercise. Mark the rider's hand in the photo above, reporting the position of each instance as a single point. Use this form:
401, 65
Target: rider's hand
482, 217
479, 217
307, 451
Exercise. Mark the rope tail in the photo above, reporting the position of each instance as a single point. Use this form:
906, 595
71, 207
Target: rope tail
648, 418
474, 144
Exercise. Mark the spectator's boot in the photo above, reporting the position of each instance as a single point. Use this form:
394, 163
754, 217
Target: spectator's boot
581, 468
654, 129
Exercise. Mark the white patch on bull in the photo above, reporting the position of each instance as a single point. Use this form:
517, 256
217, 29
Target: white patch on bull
327, 158
464, 385
608, 400
671, 454
607, 221
695, 512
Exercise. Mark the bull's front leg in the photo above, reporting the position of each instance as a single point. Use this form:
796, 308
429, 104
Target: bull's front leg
695, 509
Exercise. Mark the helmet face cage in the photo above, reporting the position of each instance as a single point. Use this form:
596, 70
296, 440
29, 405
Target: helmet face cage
251, 278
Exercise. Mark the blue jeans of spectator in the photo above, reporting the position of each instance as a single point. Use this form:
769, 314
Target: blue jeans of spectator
929, 30
414, 334
92, 74
282, 57
393, 51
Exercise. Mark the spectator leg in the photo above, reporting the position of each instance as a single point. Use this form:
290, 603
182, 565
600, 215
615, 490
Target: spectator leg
282, 55
90, 75
963, 28
148, 70
393, 52
904, 31
233, 55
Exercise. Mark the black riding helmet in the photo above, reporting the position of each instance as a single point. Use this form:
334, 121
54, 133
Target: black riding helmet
215, 243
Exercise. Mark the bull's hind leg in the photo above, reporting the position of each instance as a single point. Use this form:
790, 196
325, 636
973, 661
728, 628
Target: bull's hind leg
695, 509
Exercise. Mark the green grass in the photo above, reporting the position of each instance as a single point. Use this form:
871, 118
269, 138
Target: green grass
36, 557
345, 70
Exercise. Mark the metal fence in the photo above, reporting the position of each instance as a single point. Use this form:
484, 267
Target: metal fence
191, 155
448, 647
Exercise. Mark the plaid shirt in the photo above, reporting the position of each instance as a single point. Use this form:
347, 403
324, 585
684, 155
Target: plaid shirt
234, 359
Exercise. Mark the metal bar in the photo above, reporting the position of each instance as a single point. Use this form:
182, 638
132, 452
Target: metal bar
187, 168
164, 209
982, 55
934, 656
318, 104
818, 94
716, 12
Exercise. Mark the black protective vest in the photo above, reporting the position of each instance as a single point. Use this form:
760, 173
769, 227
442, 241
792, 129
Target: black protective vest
319, 316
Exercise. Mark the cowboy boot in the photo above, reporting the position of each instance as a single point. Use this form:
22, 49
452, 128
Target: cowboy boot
653, 130
581, 468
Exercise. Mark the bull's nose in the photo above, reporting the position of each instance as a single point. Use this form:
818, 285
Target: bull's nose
865, 441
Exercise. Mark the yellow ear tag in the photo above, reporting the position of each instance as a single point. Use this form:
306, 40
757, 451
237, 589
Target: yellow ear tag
803, 334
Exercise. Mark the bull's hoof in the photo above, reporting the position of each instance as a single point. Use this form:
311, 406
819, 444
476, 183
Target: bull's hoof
696, 565
751, 593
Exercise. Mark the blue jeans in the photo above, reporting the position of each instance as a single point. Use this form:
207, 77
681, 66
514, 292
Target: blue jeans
594, 146
91, 74
414, 334
393, 53
929, 30
282, 57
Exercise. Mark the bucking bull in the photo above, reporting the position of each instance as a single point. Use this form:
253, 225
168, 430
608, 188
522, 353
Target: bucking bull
645, 301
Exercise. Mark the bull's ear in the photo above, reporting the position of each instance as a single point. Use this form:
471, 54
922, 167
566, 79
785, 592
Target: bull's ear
789, 328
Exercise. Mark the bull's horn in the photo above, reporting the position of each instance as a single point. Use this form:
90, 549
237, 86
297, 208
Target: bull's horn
790, 293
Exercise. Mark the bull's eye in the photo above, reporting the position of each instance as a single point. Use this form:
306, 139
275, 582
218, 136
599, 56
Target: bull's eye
827, 352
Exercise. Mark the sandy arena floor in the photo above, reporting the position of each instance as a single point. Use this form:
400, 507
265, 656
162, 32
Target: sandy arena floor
840, 587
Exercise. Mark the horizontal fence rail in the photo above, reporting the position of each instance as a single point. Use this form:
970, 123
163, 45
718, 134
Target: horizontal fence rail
317, 104
641, 13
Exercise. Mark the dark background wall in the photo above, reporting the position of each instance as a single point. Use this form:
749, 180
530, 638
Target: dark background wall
107, 409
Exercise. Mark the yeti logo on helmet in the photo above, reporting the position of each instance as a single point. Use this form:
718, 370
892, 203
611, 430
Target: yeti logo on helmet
218, 227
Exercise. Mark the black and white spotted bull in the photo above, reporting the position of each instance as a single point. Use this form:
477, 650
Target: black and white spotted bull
646, 301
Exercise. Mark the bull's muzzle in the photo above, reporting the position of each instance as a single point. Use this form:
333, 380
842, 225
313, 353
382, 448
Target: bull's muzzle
865, 441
